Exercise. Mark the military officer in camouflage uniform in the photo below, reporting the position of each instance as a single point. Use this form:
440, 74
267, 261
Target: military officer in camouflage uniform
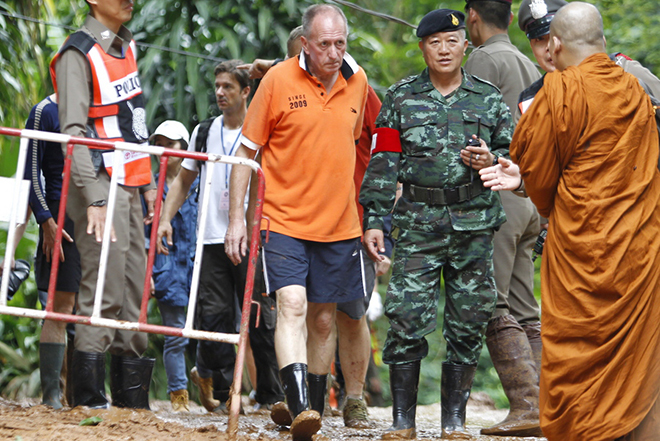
445, 216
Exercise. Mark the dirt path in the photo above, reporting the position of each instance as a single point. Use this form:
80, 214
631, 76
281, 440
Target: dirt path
27, 422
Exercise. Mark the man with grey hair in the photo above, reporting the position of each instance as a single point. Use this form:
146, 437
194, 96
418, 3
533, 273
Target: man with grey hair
312, 255
592, 170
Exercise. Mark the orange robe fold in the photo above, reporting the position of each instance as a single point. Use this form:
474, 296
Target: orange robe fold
588, 153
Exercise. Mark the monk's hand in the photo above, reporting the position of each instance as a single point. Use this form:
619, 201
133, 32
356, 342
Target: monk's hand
477, 157
374, 243
503, 176
236, 241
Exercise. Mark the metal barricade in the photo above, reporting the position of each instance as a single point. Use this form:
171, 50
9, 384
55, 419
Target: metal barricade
141, 325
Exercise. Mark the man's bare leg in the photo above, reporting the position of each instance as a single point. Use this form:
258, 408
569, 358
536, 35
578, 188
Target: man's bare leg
291, 330
52, 349
290, 345
354, 352
354, 346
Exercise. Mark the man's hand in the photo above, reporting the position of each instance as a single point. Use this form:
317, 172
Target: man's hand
503, 176
258, 68
374, 243
164, 230
50, 229
96, 223
480, 155
383, 266
236, 241
150, 199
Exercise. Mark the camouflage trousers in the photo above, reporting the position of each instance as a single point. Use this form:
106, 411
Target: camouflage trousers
465, 258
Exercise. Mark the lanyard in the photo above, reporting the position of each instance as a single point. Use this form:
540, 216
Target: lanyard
231, 151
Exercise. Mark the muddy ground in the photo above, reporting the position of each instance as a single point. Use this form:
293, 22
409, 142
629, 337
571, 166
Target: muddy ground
28, 421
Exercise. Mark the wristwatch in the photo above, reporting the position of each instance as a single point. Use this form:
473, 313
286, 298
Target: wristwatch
495, 159
101, 203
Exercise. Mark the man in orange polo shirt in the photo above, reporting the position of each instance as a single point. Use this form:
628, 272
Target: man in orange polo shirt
306, 116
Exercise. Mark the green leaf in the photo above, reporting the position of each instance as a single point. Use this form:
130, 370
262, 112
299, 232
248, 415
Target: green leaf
265, 19
91, 421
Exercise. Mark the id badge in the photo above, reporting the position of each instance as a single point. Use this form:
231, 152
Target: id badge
224, 200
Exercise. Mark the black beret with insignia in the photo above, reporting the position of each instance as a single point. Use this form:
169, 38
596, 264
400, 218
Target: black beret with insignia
535, 16
440, 20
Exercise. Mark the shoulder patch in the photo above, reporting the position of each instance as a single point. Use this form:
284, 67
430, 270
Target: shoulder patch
485, 85
402, 82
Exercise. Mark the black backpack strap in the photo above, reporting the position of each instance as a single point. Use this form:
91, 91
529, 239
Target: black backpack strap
202, 138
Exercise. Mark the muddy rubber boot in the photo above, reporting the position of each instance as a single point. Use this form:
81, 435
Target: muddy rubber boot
179, 400
318, 385
455, 389
305, 422
512, 358
89, 372
51, 356
533, 331
130, 378
205, 386
404, 380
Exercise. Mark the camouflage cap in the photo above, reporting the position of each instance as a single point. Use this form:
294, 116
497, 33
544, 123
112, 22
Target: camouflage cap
535, 16
440, 20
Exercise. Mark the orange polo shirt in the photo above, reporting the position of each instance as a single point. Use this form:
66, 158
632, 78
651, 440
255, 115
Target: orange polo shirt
308, 142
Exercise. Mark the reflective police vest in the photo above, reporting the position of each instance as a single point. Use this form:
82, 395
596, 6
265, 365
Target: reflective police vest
116, 110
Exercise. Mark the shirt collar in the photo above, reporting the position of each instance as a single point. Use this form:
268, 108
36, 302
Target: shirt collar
497, 37
423, 82
348, 66
106, 38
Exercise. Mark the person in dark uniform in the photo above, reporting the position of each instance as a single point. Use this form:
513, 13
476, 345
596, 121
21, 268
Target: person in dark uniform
513, 334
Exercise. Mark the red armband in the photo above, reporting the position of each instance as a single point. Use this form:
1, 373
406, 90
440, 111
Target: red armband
385, 140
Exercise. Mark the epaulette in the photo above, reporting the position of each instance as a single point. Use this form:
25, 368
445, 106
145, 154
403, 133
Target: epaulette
481, 80
402, 82
80, 40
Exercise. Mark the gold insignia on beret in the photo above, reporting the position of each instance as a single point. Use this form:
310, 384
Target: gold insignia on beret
454, 20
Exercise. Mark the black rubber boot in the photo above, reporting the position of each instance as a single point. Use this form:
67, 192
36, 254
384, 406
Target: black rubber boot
404, 380
89, 386
305, 422
51, 356
318, 385
130, 378
455, 389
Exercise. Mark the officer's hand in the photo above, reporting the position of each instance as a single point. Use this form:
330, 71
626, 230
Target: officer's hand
503, 176
236, 241
96, 223
150, 199
164, 230
477, 157
374, 243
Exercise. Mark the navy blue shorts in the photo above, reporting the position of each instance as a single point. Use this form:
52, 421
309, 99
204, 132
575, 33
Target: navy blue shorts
331, 272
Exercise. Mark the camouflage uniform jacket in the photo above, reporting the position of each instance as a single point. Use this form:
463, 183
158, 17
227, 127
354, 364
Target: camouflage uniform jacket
432, 130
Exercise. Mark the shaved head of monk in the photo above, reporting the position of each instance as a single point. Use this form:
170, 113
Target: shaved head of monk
576, 33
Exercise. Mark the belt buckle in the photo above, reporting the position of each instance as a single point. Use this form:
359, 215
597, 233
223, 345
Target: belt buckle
430, 195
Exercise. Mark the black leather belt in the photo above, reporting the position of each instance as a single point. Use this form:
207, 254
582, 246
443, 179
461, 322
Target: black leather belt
442, 196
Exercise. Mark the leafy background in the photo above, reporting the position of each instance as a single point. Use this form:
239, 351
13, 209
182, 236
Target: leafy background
179, 86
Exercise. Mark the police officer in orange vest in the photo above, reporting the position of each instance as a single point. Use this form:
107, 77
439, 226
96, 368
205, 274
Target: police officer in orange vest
99, 93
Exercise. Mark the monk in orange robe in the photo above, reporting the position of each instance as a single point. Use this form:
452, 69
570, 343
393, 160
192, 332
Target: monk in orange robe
587, 150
